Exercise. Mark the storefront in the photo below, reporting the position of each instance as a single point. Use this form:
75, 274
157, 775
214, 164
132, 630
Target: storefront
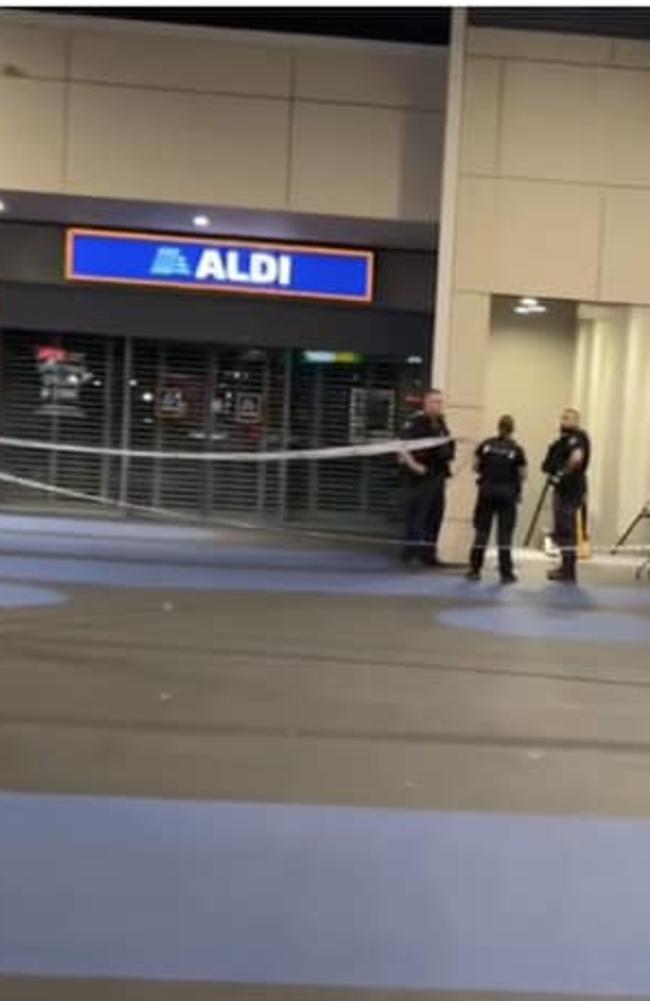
157, 343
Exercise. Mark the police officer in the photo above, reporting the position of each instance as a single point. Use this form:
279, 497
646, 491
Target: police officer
501, 466
426, 472
566, 463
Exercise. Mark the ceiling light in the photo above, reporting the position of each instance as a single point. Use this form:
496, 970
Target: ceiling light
201, 221
528, 305
3, 206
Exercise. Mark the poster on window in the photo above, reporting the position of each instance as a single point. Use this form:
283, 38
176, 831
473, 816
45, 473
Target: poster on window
63, 375
181, 398
371, 414
172, 403
248, 408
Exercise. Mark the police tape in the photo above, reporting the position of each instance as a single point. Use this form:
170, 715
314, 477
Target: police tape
392, 446
232, 524
236, 524
210, 521
23, 481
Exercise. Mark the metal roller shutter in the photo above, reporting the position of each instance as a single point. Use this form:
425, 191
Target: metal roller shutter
140, 394
60, 389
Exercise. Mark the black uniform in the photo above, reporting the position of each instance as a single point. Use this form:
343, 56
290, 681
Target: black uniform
425, 495
569, 493
499, 463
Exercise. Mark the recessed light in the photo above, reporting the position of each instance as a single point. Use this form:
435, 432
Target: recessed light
529, 310
528, 301
3, 206
201, 221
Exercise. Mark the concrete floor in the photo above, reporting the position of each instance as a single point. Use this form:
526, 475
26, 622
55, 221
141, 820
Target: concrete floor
289, 696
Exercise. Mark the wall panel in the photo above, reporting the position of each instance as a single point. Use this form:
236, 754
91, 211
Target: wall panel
32, 52
539, 45
31, 135
177, 147
180, 63
364, 76
481, 116
527, 237
365, 161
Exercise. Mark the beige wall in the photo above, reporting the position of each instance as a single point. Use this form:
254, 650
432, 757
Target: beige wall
591, 356
520, 348
336, 128
553, 190
600, 384
611, 388
554, 195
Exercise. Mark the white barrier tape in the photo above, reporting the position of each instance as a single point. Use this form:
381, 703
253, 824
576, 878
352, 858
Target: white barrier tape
229, 523
248, 526
218, 522
232, 523
393, 446
22, 481
176, 516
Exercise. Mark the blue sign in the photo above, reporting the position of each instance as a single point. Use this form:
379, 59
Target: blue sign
219, 265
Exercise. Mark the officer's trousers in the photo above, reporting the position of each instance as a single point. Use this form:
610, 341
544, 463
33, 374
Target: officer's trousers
503, 507
565, 531
424, 511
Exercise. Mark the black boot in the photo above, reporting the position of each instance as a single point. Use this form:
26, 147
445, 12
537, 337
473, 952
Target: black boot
475, 563
560, 574
506, 572
429, 557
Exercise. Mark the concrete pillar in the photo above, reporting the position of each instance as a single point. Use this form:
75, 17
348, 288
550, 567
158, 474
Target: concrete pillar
449, 198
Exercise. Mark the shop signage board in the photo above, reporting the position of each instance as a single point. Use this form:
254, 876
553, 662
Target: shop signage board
231, 266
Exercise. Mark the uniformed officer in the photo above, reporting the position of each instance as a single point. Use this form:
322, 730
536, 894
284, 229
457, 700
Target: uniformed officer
566, 463
426, 473
501, 466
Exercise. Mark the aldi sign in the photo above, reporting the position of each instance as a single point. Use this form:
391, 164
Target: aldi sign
272, 269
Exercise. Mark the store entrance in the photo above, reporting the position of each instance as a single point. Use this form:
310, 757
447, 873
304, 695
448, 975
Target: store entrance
143, 395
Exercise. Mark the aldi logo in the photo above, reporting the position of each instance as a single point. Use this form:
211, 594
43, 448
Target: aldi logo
169, 261
219, 265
